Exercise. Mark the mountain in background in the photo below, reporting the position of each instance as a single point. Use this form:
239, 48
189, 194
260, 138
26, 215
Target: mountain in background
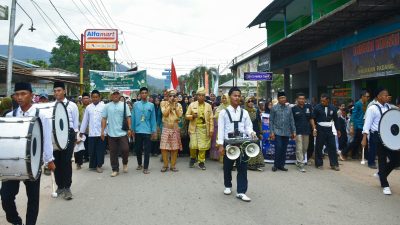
25, 53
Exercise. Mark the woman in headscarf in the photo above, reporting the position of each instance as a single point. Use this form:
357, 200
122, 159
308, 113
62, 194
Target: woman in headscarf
257, 162
183, 125
214, 153
155, 151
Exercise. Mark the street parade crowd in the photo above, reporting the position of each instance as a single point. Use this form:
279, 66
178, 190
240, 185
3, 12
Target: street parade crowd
175, 125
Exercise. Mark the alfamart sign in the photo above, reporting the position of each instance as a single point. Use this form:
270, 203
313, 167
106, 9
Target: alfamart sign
101, 39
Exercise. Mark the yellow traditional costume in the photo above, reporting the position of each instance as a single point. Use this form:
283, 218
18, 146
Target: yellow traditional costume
201, 129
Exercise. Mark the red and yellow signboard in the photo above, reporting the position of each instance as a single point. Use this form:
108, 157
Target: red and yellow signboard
101, 39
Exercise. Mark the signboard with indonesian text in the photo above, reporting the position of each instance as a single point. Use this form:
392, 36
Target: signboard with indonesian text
373, 58
101, 39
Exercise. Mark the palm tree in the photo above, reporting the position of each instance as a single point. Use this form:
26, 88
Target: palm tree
196, 78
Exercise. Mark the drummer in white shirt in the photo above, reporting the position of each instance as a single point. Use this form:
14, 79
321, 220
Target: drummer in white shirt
9, 189
63, 173
373, 116
92, 119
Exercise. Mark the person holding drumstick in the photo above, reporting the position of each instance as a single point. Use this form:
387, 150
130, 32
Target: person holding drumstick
373, 116
62, 159
10, 188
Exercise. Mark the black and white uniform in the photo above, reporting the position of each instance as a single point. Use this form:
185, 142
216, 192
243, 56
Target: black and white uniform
9, 189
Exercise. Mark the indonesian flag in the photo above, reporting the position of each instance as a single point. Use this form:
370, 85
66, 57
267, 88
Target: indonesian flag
174, 77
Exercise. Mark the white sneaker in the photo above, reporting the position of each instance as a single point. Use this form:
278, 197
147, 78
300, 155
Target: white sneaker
243, 197
227, 191
387, 191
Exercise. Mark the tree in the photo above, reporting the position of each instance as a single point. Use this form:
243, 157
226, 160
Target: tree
225, 78
66, 56
277, 85
41, 63
196, 79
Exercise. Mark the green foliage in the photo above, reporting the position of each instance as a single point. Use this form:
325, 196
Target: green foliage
277, 84
66, 56
195, 78
41, 63
225, 78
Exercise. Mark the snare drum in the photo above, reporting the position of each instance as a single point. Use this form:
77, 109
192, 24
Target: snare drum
57, 112
21, 152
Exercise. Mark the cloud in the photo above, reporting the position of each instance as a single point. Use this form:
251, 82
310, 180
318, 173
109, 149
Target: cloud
193, 32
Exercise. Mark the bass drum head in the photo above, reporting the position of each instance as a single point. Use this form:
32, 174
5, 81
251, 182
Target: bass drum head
389, 129
60, 126
36, 149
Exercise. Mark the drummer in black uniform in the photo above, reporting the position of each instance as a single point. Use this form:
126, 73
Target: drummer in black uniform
63, 173
10, 188
325, 115
373, 116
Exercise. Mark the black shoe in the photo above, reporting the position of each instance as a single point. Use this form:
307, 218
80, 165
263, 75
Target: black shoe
60, 191
283, 169
319, 167
201, 166
191, 163
336, 168
274, 169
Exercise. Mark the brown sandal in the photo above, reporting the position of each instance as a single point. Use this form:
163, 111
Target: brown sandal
139, 167
174, 169
164, 169
146, 171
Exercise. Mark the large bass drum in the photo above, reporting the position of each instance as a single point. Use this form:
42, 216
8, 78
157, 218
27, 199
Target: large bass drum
389, 129
21, 151
57, 112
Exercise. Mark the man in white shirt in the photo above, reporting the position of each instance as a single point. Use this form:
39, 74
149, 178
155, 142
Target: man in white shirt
92, 119
234, 120
10, 188
373, 116
63, 173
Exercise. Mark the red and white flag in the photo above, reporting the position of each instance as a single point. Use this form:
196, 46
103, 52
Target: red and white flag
174, 77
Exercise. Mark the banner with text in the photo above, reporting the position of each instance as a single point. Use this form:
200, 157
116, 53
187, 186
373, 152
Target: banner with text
104, 81
374, 58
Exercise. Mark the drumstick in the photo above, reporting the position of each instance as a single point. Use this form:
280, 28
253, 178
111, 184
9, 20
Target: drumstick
53, 186
363, 159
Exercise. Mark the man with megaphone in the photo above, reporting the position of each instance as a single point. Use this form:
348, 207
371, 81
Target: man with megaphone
234, 122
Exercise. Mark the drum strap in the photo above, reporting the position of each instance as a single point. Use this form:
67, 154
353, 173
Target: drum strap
66, 105
380, 110
37, 113
235, 123
14, 114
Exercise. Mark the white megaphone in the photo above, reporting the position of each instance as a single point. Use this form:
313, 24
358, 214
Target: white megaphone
252, 150
232, 152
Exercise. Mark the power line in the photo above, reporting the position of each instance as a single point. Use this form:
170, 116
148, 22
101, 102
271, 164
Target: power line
45, 21
41, 10
64, 20
98, 13
99, 22
82, 13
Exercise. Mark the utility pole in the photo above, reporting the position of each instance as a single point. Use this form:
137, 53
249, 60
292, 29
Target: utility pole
11, 47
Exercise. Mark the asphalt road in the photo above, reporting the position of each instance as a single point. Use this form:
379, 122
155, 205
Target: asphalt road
191, 196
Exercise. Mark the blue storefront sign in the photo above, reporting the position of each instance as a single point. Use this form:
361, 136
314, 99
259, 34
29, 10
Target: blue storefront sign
258, 76
268, 146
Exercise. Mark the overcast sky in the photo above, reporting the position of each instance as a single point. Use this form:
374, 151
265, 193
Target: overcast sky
192, 32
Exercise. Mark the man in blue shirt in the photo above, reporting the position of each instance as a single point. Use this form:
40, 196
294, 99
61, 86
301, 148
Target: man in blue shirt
357, 123
143, 126
113, 116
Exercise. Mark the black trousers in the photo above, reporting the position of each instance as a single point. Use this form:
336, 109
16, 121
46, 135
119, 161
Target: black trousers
143, 144
241, 166
155, 147
325, 137
355, 144
86, 151
9, 189
97, 148
385, 168
62, 160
